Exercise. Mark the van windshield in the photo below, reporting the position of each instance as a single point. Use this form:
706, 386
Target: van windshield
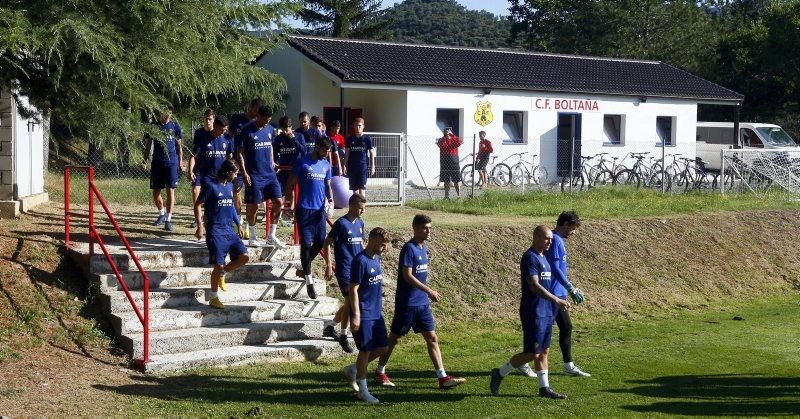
776, 136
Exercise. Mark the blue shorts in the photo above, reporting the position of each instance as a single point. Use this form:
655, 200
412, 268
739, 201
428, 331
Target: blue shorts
536, 333
238, 181
312, 225
371, 335
344, 283
283, 177
418, 318
221, 246
261, 189
357, 178
164, 176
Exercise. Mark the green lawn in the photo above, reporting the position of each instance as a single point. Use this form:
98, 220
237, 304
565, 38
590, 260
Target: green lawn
604, 203
683, 363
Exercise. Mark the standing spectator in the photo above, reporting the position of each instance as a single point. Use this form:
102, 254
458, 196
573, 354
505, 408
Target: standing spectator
338, 145
484, 150
448, 161
166, 166
358, 148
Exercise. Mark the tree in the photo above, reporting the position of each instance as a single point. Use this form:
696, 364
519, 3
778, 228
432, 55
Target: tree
100, 67
446, 22
362, 19
561, 26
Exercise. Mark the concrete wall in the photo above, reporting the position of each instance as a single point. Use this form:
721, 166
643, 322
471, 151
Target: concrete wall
7, 116
286, 61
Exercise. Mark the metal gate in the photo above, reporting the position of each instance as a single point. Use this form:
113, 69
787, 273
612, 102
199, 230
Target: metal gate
386, 187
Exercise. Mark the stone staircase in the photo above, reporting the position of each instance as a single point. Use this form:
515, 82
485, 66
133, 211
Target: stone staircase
268, 316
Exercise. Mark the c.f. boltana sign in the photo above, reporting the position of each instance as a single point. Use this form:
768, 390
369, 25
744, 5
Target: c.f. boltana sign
555, 104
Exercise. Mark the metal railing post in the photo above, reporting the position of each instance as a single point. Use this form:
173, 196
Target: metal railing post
67, 171
472, 188
663, 167
91, 211
571, 163
722, 172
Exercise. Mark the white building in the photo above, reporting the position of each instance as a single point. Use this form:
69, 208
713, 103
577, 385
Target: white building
21, 158
525, 101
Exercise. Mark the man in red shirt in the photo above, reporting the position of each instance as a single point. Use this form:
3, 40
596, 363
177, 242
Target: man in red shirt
484, 150
448, 161
338, 140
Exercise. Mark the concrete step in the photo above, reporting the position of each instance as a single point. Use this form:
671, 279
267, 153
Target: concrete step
299, 350
284, 289
202, 338
171, 253
234, 313
196, 276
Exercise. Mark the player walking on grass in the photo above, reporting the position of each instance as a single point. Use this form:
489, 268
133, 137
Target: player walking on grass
166, 167
366, 302
254, 148
347, 237
221, 240
358, 153
537, 308
313, 206
412, 305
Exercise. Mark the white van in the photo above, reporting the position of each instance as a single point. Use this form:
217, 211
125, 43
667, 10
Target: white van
713, 137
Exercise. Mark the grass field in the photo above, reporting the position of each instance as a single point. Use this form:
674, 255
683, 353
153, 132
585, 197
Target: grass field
604, 203
687, 363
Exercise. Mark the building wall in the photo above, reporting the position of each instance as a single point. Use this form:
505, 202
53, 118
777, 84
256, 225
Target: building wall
7, 115
540, 126
286, 62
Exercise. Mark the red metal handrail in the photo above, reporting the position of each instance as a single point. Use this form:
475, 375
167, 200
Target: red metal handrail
94, 235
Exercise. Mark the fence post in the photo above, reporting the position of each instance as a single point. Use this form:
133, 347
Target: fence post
66, 206
472, 189
722, 171
91, 211
663, 167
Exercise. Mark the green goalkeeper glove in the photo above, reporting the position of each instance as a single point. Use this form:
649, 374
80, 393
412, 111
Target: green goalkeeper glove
577, 295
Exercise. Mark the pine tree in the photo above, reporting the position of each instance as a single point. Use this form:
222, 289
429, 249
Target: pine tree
362, 19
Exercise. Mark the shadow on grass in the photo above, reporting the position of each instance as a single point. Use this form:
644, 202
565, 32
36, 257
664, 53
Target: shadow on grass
718, 395
324, 388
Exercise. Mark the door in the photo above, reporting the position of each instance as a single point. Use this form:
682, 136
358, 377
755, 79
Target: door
334, 113
568, 134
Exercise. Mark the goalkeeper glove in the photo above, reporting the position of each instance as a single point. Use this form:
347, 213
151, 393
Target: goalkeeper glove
577, 295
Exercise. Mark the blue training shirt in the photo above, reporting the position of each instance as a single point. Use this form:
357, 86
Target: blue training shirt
211, 155
219, 210
165, 150
359, 148
366, 272
310, 136
557, 258
532, 305
201, 137
413, 256
256, 145
285, 149
312, 176
348, 241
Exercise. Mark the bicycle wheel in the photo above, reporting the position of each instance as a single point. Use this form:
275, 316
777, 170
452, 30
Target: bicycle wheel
603, 178
540, 175
469, 176
518, 174
656, 180
627, 177
578, 182
501, 175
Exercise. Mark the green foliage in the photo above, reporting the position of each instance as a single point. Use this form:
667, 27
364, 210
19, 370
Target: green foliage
101, 67
445, 22
363, 19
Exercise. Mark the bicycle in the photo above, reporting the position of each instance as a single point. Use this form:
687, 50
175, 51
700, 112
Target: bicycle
601, 174
499, 174
580, 180
696, 176
642, 174
529, 173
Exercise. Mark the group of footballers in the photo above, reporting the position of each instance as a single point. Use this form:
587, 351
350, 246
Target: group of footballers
269, 163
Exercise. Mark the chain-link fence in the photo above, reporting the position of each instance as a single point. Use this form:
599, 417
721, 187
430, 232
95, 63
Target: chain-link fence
773, 173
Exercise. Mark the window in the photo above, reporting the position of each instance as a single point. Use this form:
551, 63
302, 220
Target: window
612, 129
449, 118
665, 130
750, 139
514, 126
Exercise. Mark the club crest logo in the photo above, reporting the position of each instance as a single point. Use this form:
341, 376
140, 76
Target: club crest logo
483, 114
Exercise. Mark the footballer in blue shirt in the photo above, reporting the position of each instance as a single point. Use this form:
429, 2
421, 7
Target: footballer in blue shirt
313, 207
366, 319
412, 304
359, 157
347, 238
538, 306
255, 151
166, 166
200, 137
221, 240
235, 124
